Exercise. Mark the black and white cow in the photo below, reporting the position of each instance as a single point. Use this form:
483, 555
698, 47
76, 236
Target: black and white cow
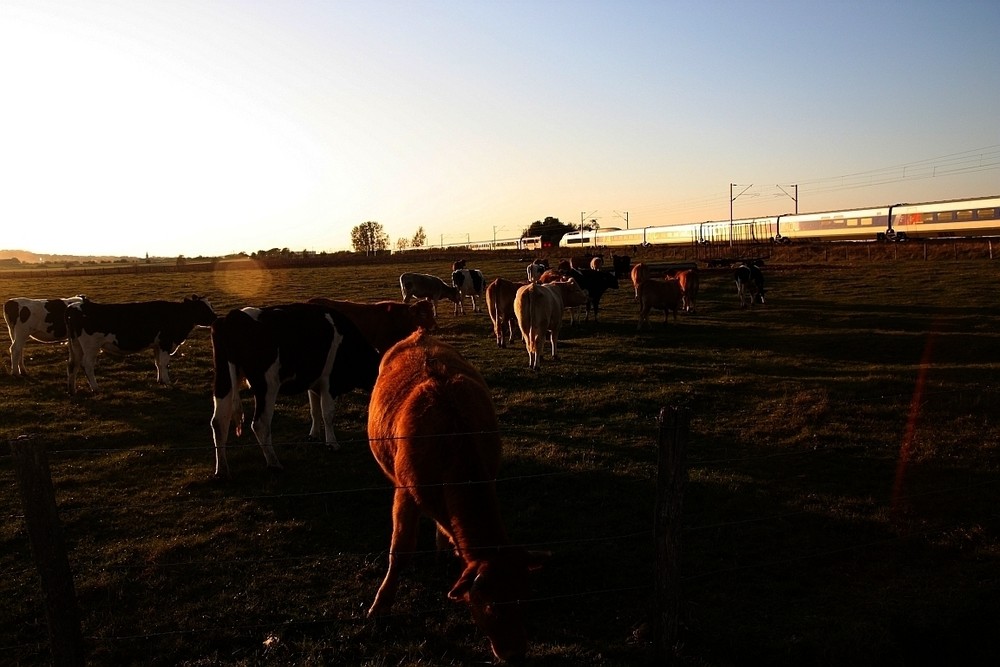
43, 320
749, 283
470, 283
594, 283
123, 328
424, 286
285, 349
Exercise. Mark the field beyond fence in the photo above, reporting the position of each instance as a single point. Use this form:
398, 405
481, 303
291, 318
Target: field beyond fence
840, 505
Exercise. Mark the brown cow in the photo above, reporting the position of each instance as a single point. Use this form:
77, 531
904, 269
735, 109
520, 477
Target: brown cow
639, 273
690, 282
500, 304
384, 323
433, 430
663, 295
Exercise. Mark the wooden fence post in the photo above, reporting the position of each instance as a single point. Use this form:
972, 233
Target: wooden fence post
31, 467
670, 480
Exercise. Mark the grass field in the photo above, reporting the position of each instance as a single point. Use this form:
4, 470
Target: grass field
842, 504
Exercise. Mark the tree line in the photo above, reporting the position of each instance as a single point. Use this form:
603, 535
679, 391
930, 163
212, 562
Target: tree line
370, 237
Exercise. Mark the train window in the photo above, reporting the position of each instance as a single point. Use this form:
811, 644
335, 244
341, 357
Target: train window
866, 222
985, 213
964, 215
852, 222
945, 216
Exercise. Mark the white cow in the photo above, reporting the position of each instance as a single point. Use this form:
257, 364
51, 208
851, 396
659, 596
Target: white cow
43, 320
539, 308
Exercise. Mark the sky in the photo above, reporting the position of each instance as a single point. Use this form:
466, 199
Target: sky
204, 127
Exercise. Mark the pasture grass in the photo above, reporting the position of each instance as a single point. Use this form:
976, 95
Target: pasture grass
841, 505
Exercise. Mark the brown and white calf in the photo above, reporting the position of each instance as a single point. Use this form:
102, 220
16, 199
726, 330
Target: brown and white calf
43, 320
125, 328
662, 295
539, 309
424, 286
500, 296
384, 323
286, 349
433, 430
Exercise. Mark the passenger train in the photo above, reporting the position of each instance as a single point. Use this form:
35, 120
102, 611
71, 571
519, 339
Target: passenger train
898, 222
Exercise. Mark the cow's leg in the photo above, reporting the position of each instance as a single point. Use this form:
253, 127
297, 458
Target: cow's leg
263, 412
553, 337
405, 519
89, 351
322, 404
17, 355
76, 361
315, 410
162, 360
222, 414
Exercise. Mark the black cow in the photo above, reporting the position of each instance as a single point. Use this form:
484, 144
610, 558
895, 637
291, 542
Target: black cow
622, 265
124, 328
595, 283
285, 349
749, 283
470, 283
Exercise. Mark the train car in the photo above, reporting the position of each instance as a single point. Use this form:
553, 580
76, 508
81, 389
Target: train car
962, 217
857, 224
588, 237
531, 243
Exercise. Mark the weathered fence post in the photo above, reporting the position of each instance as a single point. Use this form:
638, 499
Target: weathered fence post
670, 480
31, 467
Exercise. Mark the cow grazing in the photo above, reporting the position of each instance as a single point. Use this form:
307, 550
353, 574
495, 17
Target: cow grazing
690, 283
433, 430
639, 273
423, 286
385, 323
124, 328
470, 283
43, 320
594, 283
749, 284
663, 295
539, 309
621, 264
284, 349
500, 296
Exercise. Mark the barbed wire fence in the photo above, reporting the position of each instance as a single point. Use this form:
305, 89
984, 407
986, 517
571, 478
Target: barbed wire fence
30, 466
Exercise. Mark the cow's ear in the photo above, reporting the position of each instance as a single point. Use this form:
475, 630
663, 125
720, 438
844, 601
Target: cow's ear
460, 591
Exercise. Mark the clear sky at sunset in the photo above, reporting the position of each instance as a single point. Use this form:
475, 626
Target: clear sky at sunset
205, 128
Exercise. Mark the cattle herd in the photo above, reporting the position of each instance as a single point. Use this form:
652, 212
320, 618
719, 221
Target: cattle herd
442, 461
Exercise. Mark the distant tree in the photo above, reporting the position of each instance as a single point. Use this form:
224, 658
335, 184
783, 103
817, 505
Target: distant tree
550, 229
420, 238
369, 238
402, 244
